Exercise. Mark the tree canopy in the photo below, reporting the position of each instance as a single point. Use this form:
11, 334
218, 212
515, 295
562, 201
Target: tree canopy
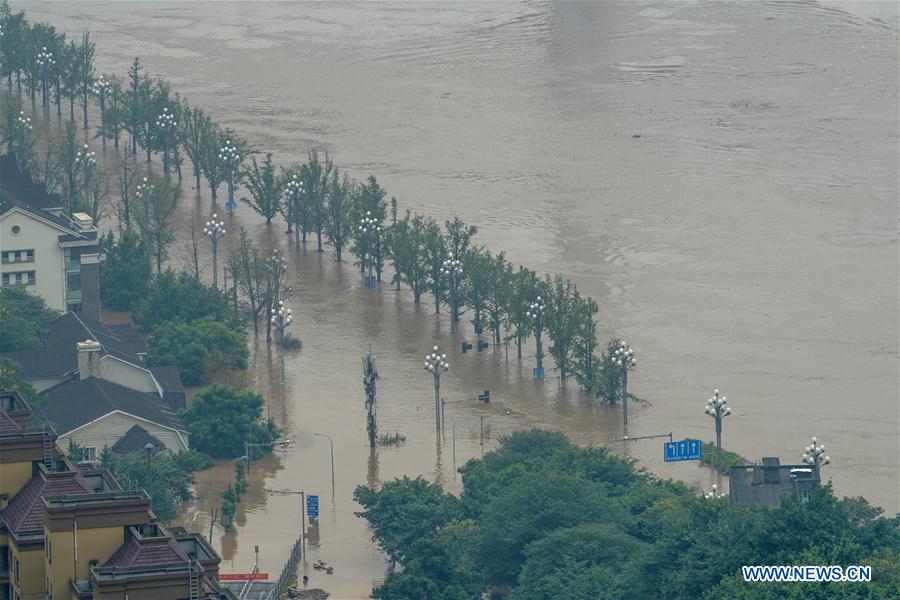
199, 349
24, 318
124, 272
542, 518
221, 418
172, 296
167, 480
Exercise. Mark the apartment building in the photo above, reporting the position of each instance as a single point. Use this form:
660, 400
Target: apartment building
72, 533
43, 249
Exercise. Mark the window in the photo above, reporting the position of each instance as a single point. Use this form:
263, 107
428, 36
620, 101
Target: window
17, 569
19, 278
16, 230
88, 454
16, 256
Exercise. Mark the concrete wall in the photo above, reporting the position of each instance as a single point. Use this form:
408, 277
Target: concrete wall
108, 430
93, 544
48, 256
13, 477
42, 384
29, 580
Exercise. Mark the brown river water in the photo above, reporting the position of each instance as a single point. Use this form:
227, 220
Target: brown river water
720, 177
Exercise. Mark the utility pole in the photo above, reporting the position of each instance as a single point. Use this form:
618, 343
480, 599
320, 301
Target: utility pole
370, 374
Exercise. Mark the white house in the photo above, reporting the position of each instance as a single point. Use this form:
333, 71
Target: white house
44, 250
96, 413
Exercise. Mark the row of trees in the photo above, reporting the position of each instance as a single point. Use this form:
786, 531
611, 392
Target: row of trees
37, 56
542, 518
316, 198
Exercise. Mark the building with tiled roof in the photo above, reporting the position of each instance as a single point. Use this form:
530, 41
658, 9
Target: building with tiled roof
96, 413
136, 440
69, 532
43, 249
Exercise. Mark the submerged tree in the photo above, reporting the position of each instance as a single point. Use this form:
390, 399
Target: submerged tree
265, 192
339, 211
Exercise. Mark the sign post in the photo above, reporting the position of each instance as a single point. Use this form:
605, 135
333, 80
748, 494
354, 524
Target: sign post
312, 506
682, 450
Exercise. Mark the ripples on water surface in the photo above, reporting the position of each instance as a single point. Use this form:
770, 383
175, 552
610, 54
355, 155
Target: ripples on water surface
746, 240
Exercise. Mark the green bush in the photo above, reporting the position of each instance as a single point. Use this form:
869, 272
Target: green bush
198, 349
182, 297
221, 419
723, 465
24, 318
125, 271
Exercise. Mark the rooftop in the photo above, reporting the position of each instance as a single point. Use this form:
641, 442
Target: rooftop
147, 545
74, 403
20, 191
25, 512
135, 440
59, 356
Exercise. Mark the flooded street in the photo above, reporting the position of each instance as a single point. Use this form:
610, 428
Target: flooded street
720, 177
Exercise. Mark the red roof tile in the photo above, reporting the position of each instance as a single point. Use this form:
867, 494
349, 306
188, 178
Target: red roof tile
6, 422
144, 553
26, 513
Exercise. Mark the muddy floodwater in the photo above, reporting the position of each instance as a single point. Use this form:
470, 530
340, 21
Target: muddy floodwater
720, 177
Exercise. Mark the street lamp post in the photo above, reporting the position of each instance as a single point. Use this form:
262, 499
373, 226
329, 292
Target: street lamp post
436, 363
535, 312
281, 319
101, 89
166, 121
45, 62
371, 229
331, 443
148, 448
453, 269
714, 493
18, 142
623, 357
232, 159
142, 193
214, 230
86, 161
814, 455
717, 408
293, 191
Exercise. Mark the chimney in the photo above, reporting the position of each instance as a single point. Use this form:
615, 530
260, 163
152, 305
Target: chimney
88, 359
83, 221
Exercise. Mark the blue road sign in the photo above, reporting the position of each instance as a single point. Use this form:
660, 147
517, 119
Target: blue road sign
312, 506
682, 450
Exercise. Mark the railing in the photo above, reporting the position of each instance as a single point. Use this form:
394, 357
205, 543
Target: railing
287, 573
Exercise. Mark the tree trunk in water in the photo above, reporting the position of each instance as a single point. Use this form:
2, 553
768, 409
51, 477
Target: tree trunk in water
72, 108
319, 241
